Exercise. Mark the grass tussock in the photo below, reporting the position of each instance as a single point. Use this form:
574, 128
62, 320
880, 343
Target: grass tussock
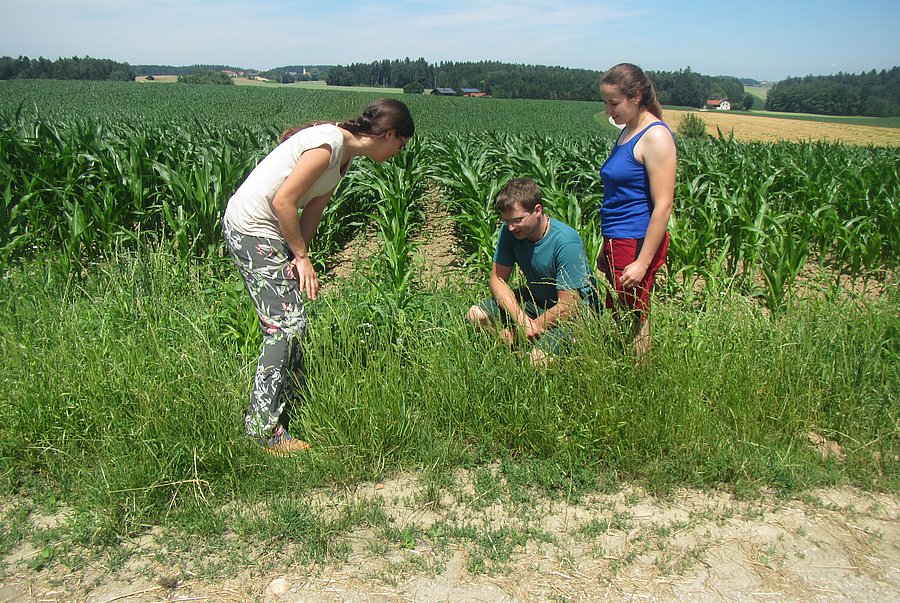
123, 391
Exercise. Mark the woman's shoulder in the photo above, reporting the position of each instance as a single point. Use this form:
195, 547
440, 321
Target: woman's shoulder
658, 133
318, 132
658, 128
317, 136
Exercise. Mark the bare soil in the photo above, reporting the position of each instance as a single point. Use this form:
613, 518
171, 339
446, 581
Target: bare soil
157, 78
749, 128
831, 545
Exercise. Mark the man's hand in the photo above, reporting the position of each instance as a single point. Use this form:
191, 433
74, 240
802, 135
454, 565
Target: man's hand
533, 329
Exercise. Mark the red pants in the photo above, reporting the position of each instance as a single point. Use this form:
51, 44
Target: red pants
614, 257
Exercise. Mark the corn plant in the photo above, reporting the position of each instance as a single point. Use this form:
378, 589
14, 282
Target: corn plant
82, 175
471, 179
575, 211
392, 189
784, 254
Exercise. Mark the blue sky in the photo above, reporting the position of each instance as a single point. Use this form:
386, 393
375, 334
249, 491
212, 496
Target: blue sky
763, 39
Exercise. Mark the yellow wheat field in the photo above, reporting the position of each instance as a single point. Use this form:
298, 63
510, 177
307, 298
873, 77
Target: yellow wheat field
772, 129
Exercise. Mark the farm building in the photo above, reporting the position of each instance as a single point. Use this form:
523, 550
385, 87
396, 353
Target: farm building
722, 104
473, 92
444, 92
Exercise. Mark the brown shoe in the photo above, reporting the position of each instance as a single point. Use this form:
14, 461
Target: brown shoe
282, 443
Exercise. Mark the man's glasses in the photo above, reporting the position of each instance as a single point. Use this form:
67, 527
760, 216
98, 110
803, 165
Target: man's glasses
519, 220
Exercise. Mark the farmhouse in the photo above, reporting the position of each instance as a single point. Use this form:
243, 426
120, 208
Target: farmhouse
444, 92
722, 104
473, 92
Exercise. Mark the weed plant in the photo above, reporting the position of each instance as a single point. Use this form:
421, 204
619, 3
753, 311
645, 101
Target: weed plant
692, 126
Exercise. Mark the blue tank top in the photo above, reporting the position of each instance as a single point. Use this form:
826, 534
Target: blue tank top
626, 209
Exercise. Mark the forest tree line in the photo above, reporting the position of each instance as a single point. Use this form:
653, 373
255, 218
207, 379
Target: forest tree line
873, 93
74, 68
870, 93
508, 80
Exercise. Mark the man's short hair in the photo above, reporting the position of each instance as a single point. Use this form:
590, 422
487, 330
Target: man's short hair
518, 191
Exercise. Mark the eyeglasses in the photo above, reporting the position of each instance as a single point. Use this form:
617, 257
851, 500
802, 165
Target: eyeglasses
519, 220
402, 142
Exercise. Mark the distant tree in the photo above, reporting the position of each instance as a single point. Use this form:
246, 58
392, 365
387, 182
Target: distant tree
172, 70
74, 68
724, 86
339, 76
7, 68
683, 88
413, 88
748, 102
510, 80
121, 75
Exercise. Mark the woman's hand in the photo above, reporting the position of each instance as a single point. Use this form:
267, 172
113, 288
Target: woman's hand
307, 281
633, 274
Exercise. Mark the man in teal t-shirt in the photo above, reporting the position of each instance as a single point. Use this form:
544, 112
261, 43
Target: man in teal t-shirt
551, 256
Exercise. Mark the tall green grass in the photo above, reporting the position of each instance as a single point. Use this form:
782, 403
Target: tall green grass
127, 343
123, 391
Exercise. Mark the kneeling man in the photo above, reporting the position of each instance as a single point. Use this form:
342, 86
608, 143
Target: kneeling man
551, 256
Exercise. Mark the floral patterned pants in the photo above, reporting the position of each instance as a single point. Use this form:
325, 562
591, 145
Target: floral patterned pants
264, 265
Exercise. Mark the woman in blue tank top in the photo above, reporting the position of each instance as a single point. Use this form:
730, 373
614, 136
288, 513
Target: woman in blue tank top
638, 194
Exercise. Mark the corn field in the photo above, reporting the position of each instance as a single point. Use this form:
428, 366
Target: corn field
748, 216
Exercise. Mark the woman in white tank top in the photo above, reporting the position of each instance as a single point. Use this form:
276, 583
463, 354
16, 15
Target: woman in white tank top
269, 224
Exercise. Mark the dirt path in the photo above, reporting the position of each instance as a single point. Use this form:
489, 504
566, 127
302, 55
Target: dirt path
469, 544
749, 128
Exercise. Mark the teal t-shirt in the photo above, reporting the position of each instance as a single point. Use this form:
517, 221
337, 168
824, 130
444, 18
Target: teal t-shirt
555, 263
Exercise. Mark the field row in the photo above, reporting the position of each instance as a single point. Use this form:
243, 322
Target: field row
81, 187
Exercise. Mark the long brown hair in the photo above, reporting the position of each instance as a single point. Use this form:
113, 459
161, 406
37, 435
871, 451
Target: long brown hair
377, 118
633, 82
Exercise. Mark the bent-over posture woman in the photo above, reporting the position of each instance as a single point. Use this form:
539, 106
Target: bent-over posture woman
638, 195
269, 225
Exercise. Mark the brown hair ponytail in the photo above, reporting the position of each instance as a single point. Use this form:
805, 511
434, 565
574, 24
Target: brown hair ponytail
382, 116
377, 118
633, 82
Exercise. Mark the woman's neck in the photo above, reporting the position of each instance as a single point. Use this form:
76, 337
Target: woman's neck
356, 145
644, 118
